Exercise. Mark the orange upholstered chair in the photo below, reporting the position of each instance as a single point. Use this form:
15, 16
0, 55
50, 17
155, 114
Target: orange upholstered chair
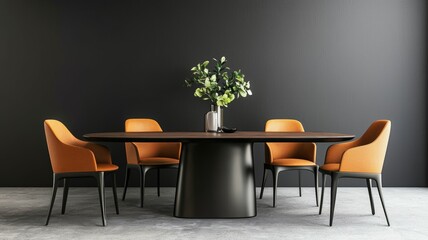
146, 156
288, 156
73, 158
361, 158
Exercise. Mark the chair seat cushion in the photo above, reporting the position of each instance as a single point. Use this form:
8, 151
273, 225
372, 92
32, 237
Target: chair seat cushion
290, 162
106, 167
158, 161
332, 167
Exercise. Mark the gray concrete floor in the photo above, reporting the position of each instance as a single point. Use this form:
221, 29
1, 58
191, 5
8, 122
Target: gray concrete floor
23, 212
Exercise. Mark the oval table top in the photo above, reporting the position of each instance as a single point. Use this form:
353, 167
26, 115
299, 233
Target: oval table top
238, 136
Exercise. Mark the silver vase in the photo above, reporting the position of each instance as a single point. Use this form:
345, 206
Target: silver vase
214, 119
211, 124
219, 111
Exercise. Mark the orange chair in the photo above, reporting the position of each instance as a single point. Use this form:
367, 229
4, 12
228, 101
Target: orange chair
146, 156
73, 158
361, 158
288, 156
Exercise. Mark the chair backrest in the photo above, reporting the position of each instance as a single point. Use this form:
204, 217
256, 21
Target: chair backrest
57, 138
374, 143
285, 150
283, 125
142, 125
377, 133
147, 150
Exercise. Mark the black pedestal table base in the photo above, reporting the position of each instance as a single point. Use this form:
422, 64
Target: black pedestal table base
216, 180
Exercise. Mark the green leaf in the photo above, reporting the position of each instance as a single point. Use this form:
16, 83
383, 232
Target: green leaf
243, 93
207, 82
213, 84
213, 78
249, 92
198, 92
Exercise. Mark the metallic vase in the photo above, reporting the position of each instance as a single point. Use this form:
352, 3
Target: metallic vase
219, 111
211, 124
214, 119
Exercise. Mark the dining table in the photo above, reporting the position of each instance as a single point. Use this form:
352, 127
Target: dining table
216, 176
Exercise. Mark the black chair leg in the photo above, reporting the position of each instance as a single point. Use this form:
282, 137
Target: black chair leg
142, 179
54, 188
100, 180
127, 173
334, 183
64, 196
275, 184
158, 182
369, 188
379, 188
322, 190
263, 182
116, 204
300, 186
316, 184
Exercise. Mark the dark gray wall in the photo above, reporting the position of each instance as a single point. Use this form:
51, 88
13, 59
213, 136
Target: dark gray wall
336, 65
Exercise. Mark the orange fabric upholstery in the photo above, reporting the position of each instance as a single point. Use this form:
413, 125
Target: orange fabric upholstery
365, 154
292, 162
150, 153
159, 161
69, 154
332, 167
278, 153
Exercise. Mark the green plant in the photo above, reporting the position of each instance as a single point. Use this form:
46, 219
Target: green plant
220, 85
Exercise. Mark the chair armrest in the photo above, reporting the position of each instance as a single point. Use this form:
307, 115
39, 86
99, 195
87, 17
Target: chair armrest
73, 159
308, 151
268, 153
102, 153
132, 156
335, 152
364, 158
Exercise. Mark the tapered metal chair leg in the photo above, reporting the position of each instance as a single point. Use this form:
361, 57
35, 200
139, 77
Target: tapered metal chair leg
104, 194
101, 193
158, 182
316, 184
275, 184
322, 190
334, 183
379, 188
369, 188
263, 182
64, 196
54, 188
142, 180
300, 186
116, 204
127, 173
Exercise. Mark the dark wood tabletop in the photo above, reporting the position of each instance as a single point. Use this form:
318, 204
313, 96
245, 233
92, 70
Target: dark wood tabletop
244, 136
